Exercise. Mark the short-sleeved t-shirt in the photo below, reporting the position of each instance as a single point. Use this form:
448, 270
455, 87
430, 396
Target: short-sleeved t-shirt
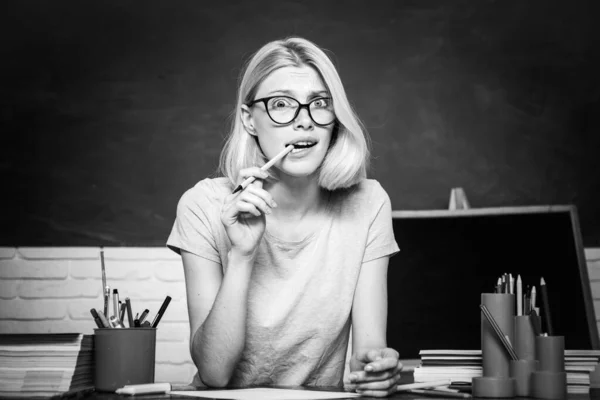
301, 292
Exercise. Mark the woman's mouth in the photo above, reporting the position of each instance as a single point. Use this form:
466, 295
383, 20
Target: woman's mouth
302, 146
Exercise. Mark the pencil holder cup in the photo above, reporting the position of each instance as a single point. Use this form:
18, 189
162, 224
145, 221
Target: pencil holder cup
496, 380
123, 356
550, 380
594, 391
525, 336
521, 370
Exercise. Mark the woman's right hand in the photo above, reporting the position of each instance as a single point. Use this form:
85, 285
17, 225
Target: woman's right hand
243, 213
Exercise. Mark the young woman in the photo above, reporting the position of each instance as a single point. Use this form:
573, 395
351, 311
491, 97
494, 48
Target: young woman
277, 274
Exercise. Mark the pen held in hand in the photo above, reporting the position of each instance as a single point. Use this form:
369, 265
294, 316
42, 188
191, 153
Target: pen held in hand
499, 332
265, 167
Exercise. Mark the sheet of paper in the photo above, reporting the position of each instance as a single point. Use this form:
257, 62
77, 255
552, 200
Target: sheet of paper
266, 394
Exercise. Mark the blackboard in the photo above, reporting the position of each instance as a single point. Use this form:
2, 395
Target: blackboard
110, 110
447, 259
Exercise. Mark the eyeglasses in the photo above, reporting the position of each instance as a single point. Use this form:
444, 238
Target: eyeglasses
283, 109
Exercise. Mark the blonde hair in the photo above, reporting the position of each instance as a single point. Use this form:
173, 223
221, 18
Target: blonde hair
347, 158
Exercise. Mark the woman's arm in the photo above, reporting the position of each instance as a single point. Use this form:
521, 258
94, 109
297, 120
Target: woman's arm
375, 370
217, 306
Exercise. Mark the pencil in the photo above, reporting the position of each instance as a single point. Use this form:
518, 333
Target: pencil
423, 385
440, 393
265, 167
104, 286
547, 317
499, 332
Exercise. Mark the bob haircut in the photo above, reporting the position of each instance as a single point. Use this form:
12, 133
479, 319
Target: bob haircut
347, 158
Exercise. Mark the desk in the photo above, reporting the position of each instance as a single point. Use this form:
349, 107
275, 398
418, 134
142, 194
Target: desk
404, 396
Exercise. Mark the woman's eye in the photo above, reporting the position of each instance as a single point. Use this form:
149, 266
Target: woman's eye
321, 103
280, 103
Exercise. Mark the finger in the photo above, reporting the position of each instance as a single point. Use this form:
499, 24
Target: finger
384, 384
262, 194
382, 365
255, 172
244, 207
363, 376
255, 201
376, 393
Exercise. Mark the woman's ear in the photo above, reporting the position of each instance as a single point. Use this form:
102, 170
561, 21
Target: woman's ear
247, 120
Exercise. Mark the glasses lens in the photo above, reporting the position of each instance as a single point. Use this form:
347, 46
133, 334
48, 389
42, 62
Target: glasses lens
282, 109
321, 111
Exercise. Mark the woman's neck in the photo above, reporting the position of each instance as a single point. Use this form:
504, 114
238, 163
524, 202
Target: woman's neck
297, 197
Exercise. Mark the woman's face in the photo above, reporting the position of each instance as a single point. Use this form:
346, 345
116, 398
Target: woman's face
305, 85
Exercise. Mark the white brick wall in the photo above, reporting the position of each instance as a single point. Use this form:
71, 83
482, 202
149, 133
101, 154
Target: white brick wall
53, 290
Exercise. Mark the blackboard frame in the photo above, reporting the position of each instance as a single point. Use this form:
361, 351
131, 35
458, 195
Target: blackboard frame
400, 330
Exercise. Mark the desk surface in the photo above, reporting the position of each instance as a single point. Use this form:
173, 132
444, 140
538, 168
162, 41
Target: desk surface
404, 396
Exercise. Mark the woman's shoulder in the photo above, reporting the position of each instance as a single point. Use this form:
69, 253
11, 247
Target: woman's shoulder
365, 195
207, 192
366, 191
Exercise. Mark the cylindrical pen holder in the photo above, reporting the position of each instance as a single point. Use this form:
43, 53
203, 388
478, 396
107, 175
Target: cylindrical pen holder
123, 356
550, 380
525, 337
521, 370
496, 380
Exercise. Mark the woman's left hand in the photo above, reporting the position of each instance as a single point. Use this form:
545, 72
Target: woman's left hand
374, 372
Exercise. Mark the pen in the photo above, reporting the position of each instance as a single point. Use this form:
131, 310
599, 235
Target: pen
519, 295
265, 167
547, 317
104, 287
116, 303
121, 311
115, 322
440, 393
103, 319
106, 299
499, 332
160, 313
143, 316
423, 385
129, 313
97, 319
152, 388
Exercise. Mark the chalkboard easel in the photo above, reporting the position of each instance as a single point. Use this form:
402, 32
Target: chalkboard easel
449, 257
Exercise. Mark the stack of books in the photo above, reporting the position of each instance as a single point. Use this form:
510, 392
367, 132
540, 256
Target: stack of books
578, 365
45, 365
458, 365
461, 366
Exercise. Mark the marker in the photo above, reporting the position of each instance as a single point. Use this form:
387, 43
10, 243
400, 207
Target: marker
116, 303
152, 388
143, 316
103, 319
160, 313
97, 319
129, 312
265, 167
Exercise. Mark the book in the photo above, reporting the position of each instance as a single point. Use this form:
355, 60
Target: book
463, 365
45, 365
